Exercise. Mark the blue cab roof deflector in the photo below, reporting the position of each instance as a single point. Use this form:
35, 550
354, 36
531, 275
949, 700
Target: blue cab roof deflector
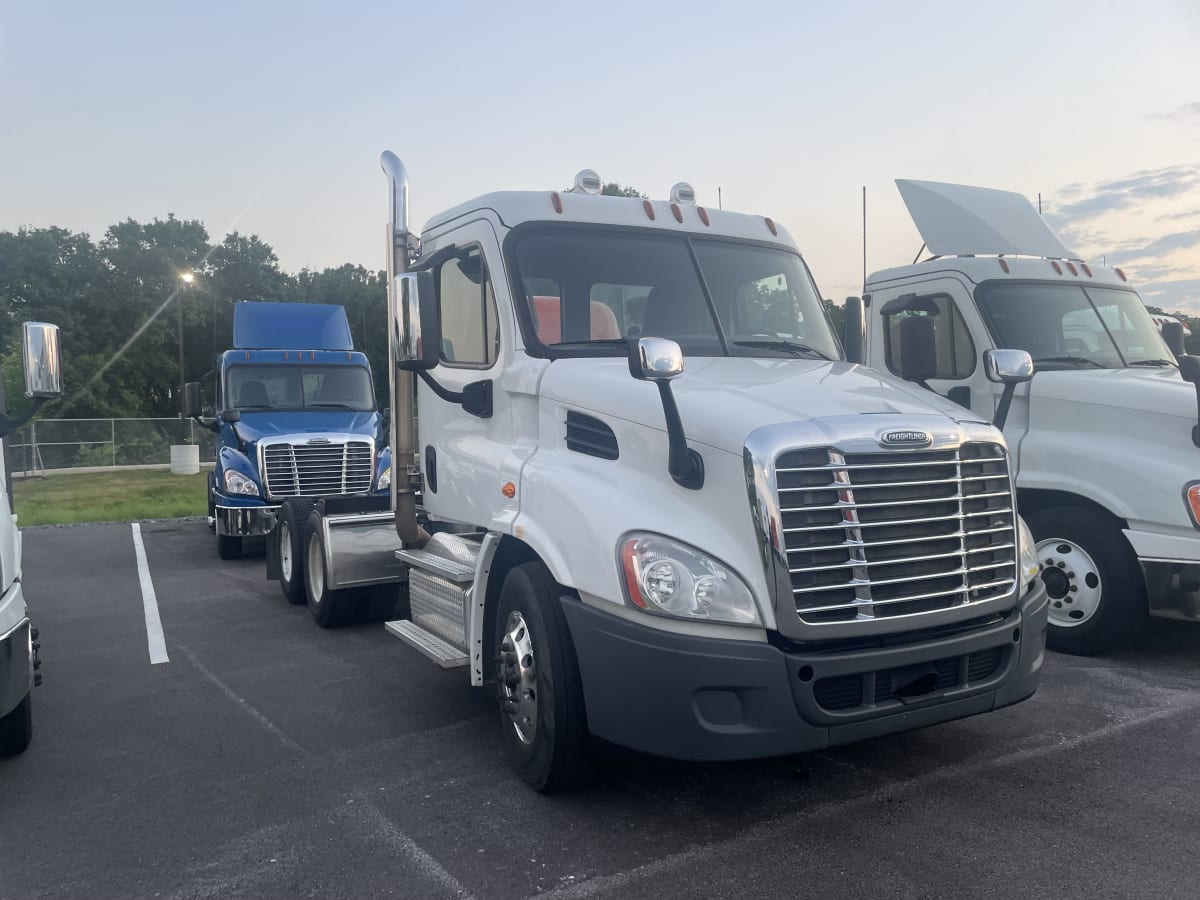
266, 325
959, 220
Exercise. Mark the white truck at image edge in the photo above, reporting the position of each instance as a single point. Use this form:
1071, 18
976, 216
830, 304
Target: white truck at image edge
771, 552
18, 646
1104, 436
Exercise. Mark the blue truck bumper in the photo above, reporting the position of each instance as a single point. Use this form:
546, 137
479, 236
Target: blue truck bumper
244, 521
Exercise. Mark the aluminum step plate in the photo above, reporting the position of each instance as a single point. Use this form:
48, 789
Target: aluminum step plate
438, 565
442, 653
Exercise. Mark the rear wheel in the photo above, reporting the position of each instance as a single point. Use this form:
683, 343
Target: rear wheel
1095, 585
229, 547
16, 729
541, 695
289, 532
329, 609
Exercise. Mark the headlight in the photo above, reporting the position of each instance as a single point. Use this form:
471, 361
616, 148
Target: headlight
667, 577
1028, 549
237, 483
385, 479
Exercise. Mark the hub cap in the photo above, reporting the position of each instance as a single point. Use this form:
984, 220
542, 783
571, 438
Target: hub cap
517, 676
285, 551
1072, 580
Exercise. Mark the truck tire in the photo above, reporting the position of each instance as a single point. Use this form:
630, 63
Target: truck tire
1097, 591
289, 532
330, 609
229, 547
16, 729
538, 685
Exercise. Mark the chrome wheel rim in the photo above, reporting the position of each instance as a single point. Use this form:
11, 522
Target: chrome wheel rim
517, 675
1072, 581
285, 551
316, 572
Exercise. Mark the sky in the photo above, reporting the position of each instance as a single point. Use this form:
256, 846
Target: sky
269, 117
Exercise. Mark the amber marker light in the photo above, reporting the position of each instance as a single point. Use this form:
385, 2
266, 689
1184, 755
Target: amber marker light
509, 490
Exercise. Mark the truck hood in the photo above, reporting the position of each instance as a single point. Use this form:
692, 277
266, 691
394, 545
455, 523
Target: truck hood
256, 426
1152, 390
722, 399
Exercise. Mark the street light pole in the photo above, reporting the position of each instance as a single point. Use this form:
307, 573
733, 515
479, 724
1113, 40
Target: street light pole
185, 278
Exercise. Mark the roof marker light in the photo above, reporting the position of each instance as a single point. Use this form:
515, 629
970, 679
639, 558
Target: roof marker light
1003, 263
1087, 270
771, 225
703, 214
1121, 274
677, 211
682, 192
557, 201
649, 208
1071, 268
588, 182
1057, 267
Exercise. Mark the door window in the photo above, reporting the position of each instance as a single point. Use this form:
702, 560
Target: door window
470, 326
955, 351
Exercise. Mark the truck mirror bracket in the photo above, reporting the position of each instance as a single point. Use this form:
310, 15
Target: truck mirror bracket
475, 398
660, 360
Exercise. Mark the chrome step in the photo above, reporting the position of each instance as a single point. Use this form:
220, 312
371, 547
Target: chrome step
445, 655
450, 569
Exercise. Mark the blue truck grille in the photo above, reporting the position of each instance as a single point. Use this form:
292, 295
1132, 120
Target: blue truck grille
318, 470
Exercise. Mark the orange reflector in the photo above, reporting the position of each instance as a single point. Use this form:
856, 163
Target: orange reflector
1004, 263
1057, 267
677, 212
557, 201
285, 355
629, 567
1192, 495
1122, 274
247, 354
1072, 269
509, 490
771, 226
703, 214
1087, 270
649, 208
313, 355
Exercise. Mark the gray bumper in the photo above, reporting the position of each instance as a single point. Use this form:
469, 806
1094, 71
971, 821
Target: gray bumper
16, 666
689, 697
245, 521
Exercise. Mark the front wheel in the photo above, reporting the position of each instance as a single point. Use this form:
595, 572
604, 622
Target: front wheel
16, 729
1095, 585
541, 694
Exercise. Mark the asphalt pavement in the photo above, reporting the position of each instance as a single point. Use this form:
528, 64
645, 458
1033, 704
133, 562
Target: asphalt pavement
270, 758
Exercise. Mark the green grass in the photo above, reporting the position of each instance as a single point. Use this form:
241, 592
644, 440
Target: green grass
118, 496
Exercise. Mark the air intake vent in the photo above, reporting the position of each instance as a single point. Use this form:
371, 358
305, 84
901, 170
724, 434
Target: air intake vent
591, 436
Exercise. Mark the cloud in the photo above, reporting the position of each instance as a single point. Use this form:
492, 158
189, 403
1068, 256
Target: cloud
1123, 193
1168, 243
1178, 216
1183, 113
1181, 294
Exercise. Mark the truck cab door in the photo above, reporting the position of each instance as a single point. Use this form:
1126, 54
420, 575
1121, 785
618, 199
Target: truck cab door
462, 451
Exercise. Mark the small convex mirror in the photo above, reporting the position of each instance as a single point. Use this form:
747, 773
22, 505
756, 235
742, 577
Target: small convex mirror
1007, 366
40, 357
655, 359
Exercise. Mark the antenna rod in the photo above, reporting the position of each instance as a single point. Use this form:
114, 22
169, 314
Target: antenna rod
719, 204
1039, 203
864, 288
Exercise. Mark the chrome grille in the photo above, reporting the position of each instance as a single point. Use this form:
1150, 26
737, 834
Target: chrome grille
873, 535
318, 470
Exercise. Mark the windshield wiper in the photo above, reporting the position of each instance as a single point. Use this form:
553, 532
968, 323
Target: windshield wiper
1151, 362
793, 347
242, 406
330, 406
599, 341
1072, 360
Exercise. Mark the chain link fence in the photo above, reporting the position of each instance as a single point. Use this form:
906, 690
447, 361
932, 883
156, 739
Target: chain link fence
48, 444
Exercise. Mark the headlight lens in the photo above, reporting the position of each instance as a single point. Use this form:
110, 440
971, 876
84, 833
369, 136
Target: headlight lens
1028, 549
669, 578
237, 483
385, 479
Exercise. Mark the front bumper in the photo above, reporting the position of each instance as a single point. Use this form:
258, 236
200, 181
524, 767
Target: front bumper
16, 666
244, 521
700, 698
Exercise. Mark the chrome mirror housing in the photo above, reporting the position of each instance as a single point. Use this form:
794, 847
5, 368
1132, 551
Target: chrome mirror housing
416, 339
655, 359
1007, 366
41, 360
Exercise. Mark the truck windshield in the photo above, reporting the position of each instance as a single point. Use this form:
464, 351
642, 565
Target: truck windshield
589, 292
1066, 326
256, 388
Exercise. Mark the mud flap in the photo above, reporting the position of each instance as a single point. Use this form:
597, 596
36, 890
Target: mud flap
273, 571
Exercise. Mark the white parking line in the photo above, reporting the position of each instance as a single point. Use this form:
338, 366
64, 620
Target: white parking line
154, 629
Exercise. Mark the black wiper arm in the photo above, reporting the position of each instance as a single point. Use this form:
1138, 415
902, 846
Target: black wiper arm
793, 347
1072, 360
600, 341
330, 406
253, 406
1152, 362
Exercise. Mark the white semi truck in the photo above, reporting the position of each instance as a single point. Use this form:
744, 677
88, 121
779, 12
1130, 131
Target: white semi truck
1103, 438
18, 638
772, 551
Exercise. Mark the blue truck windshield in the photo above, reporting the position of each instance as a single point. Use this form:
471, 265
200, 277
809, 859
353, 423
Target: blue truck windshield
586, 289
256, 388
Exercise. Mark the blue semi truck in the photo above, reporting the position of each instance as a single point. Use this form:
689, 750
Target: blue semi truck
296, 417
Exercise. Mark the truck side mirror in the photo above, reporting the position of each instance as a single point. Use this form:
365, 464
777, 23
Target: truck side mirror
853, 340
231, 416
1189, 370
41, 360
416, 323
1172, 333
1009, 368
660, 360
918, 353
191, 400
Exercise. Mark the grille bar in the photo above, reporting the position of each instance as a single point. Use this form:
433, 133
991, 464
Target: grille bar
338, 468
947, 499
845, 523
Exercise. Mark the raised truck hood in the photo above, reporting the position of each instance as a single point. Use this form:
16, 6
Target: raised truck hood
722, 399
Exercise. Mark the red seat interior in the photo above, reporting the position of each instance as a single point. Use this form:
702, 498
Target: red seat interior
548, 315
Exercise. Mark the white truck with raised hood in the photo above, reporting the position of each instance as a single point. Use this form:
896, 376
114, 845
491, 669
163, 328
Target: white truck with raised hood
771, 552
18, 638
1103, 437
